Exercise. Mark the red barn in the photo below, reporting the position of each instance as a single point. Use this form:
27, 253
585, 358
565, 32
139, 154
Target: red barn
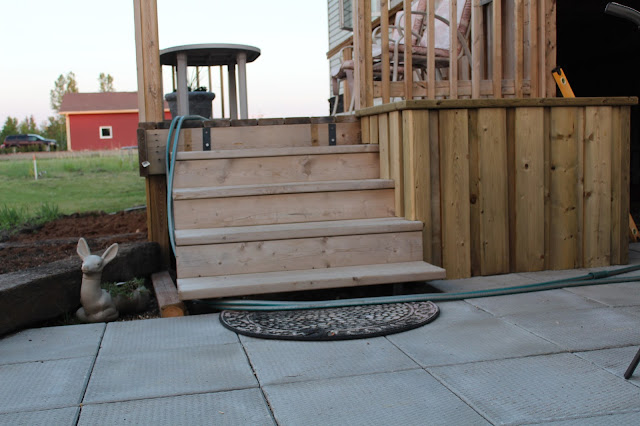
98, 121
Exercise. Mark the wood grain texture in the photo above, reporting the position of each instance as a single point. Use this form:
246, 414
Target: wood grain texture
454, 163
284, 208
597, 187
395, 160
167, 297
254, 170
351, 276
564, 251
528, 204
383, 134
298, 254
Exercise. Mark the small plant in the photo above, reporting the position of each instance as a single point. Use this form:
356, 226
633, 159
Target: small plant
125, 289
16, 217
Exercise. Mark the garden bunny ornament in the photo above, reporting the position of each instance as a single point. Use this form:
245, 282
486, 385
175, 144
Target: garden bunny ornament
97, 305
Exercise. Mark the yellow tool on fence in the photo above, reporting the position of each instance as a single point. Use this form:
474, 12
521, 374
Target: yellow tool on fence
567, 92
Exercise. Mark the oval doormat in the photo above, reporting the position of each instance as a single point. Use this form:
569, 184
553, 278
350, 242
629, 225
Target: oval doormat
352, 322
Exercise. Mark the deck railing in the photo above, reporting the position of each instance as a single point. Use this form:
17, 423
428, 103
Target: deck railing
511, 43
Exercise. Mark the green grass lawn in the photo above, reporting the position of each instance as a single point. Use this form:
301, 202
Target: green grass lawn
70, 185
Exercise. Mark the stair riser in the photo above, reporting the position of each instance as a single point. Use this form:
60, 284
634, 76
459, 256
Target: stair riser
263, 170
298, 254
283, 208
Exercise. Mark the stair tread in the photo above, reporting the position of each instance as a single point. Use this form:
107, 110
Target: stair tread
272, 282
281, 188
281, 231
275, 152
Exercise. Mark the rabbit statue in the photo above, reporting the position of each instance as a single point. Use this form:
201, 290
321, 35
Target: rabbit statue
97, 305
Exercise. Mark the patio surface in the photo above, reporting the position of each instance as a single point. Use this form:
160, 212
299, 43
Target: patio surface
550, 357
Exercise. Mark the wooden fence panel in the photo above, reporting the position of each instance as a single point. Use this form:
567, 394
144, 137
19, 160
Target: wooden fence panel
490, 226
528, 203
564, 197
597, 186
454, 172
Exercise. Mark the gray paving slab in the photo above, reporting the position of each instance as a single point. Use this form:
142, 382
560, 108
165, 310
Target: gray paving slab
456, 338
200, 369
480, 283
544, 276
165, 333
32, 386
241, 407
59, 417
279, 361
41, 344
538, 389
539, 301
401, 398
615, 360
582, 329
622, 294
627, 419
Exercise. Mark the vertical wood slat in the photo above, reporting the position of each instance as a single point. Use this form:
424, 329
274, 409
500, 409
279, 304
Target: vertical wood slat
518, 22
151, 108
474, 193
547, 187
564, 199
386, 73
408, 60
597, 186
363, 60
492, 201
383, 135
395, 159
532, 54
620, 140
477, 48
364, 130
434, 235
431, 51
347, 54
453, 49
549, 47
528, 204
373, 130
497, 49
454, 163
415, 149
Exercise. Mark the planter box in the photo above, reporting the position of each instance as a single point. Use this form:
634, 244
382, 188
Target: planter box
200, 103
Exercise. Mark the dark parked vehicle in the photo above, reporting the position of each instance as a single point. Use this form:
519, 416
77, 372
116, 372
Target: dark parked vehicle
21, 141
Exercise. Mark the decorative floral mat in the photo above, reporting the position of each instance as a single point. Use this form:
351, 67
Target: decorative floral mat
353, 322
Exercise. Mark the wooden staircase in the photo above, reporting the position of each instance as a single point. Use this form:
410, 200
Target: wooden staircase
264, 220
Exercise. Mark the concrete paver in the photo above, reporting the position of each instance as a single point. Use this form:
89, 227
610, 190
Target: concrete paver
165, 333
241, 407
172, 372
540, 388
51, 343
554, 357
582, 329
60, 416
540, 301
476, 338
278, 361
410, 397
40, 385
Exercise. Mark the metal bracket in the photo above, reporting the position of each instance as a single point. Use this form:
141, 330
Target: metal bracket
332, 134
206, 139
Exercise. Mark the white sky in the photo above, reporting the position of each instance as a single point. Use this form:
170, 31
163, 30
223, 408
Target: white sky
41, 39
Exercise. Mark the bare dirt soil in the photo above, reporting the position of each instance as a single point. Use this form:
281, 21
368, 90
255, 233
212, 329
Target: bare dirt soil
58, 240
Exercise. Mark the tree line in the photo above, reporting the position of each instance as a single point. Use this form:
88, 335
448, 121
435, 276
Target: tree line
54, 127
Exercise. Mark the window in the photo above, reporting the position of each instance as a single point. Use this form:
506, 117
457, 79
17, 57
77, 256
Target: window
106, 132
346, 17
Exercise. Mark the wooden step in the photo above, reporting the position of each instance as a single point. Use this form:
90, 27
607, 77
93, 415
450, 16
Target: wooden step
298, 254
314, 279
190, 237
283, 208
281, 188
276, 165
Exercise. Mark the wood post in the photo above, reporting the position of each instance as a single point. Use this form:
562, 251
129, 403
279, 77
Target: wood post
151, 108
